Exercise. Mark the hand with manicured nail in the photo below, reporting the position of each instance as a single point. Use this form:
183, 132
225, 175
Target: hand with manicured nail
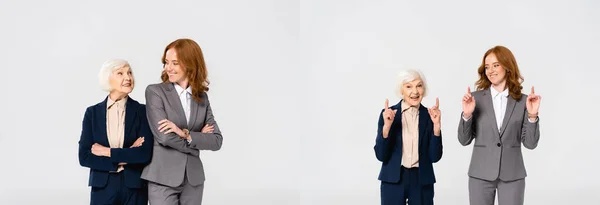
533, 104
468, 104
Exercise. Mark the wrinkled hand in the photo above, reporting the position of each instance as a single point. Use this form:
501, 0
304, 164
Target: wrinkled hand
100, 150
388, 118
138, 142
436, 117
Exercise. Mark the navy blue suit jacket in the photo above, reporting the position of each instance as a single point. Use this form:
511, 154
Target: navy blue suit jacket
94, 131
389, 150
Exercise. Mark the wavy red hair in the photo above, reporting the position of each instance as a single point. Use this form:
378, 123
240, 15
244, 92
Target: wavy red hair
189, 55
508, 62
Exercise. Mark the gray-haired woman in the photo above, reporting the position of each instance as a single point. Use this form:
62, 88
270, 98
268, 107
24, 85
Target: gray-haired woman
116, 142
408, 142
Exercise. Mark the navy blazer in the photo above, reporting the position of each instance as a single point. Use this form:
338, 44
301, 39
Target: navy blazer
94, 131
389, 150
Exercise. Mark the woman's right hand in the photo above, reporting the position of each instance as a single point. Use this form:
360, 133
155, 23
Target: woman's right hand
468, 104
388, 118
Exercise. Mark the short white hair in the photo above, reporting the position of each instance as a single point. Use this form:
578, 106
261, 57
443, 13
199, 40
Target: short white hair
107, 69
407, 76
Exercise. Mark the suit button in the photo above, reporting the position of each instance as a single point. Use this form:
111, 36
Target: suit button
498, 144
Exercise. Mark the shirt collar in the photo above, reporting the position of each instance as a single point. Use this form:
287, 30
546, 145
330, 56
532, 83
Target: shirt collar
404, 106
121, 102
180, 90
495, 93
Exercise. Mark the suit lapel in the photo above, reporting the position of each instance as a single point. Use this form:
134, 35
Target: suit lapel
173, 99
490, 116
101, 121
423, 118
130, 112
510, 106
396, 126
193, 114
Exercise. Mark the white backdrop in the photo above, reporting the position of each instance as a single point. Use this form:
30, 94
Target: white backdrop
296, 87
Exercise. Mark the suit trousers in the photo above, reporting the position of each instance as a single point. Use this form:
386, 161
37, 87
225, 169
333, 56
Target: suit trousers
408, 188
184, 194
483, 192
115, 192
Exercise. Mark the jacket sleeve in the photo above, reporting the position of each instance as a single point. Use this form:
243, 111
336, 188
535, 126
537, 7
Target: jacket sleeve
86, 140
136, 155
155, 111
435, 147
530, 133
207, 141
382, 145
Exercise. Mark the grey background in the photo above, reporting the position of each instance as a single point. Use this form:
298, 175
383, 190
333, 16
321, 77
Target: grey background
296, 87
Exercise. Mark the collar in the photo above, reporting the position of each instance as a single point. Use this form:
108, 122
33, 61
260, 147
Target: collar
180, 90
110, 102
495, 93
404, 107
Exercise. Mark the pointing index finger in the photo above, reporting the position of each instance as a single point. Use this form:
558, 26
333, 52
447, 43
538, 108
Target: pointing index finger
386, 104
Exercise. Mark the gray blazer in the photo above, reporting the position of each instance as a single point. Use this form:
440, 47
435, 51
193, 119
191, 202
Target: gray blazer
497, 155
172, 156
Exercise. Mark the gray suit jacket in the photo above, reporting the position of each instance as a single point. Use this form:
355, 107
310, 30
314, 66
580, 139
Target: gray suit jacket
173, 156
497, 154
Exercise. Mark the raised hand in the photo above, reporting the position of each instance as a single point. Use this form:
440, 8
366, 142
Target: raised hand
468, 104
533, 103
436, 117
435, 113
388, 118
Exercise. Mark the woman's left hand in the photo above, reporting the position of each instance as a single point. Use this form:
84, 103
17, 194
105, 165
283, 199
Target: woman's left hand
533, 103
166, 127
436, 117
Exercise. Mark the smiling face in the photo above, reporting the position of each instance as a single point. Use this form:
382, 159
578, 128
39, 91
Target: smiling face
173, 67
494, 71
412, 92
121, 81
